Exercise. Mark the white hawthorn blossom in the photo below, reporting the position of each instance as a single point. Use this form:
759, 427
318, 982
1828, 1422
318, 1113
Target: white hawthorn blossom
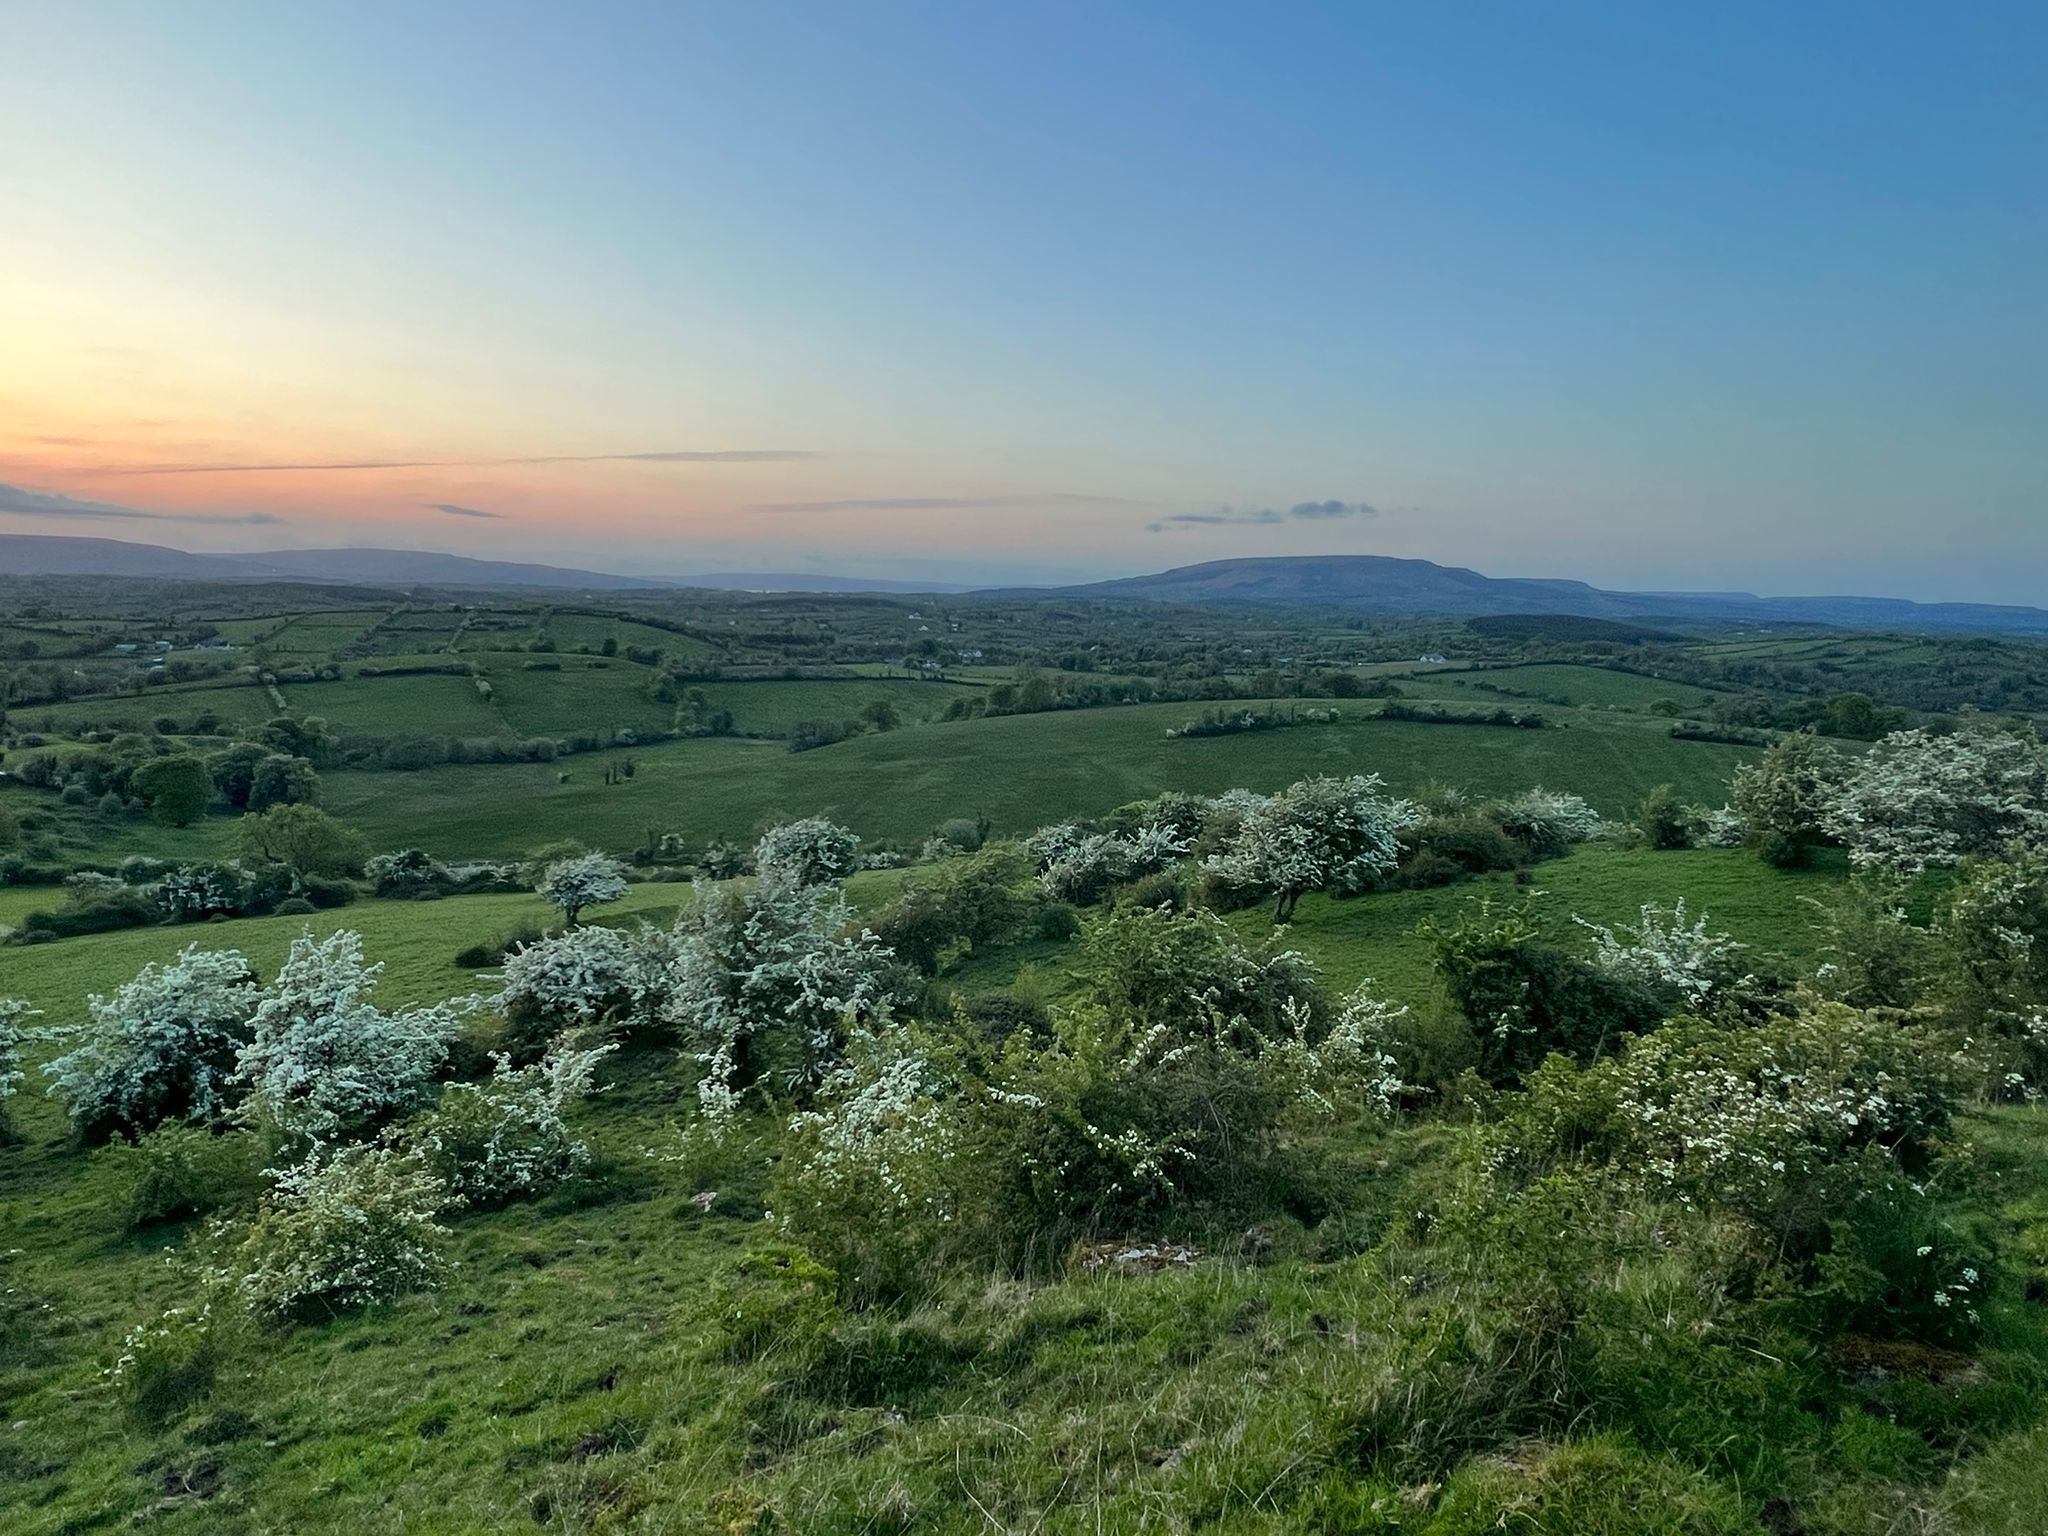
587, 880
586, 978
1322, 834
1549, 821
775, 965
163, 1047
505, 1138
1920, 799
12, 1035
1083, 867
323, 1061
347, 1227
1667, 954
809, 852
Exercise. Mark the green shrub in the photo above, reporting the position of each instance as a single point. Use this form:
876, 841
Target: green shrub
177, 1172
1526, 999
166, 1366
345, 1228
1661, 820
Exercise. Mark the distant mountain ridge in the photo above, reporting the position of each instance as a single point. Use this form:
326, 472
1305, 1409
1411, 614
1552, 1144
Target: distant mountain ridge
26, 554
1372, 583
1385, 584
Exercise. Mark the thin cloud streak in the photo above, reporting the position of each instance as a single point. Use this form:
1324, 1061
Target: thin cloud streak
19, 501
653, 456
945, 503
1301, 511
453, 510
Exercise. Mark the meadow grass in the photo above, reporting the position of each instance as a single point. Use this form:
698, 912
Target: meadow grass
1594, 687
378, 708
1021, 771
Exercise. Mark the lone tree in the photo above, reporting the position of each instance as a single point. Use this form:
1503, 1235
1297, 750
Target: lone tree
177, 788
305, 840
806, 853
1334, 835
587, 880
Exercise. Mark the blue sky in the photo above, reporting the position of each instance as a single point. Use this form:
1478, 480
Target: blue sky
1726, 296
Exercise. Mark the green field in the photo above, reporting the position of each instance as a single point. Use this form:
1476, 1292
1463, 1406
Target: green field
1589, 687
583, 695
376, 708
1022, 771
234, 700
772, 707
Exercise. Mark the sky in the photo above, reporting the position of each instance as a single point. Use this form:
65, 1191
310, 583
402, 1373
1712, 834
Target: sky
1675, 297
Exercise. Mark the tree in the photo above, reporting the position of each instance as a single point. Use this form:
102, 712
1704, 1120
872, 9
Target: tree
323, 1062
279, 780
1661, 819
163, 1047
768, 979
308, 738
587, 880
1319, 834
804, 853
12, 1012
1786, 796
303, 839
1918, 799
178, 788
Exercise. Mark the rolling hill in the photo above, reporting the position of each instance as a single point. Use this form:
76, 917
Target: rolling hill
1387, 585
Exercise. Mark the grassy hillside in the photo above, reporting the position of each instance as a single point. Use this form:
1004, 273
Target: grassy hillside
1350, 941
1022, 771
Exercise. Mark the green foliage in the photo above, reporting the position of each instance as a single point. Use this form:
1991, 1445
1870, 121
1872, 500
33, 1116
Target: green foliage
979, 898
178, 1172
177, 788
303, 839
1526, 999
1661, 821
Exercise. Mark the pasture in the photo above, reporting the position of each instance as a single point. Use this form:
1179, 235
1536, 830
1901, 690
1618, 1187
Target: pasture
898, 785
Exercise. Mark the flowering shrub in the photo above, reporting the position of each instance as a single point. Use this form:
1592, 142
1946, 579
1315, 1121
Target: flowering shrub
923, 1144
323, 1061
166, 1366
590, 979
163, 1047
1159, 966
12, 1012
347, 1227
809, 852
1783, 1122
870, 1178
1994, 938
1918, 799
1525, 998
505, 1138
1083, 867
1548, 823
1336, 835
194, 892
1719, 827
1667, 956
768, 980
1786, 798
407, 872
587, 880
